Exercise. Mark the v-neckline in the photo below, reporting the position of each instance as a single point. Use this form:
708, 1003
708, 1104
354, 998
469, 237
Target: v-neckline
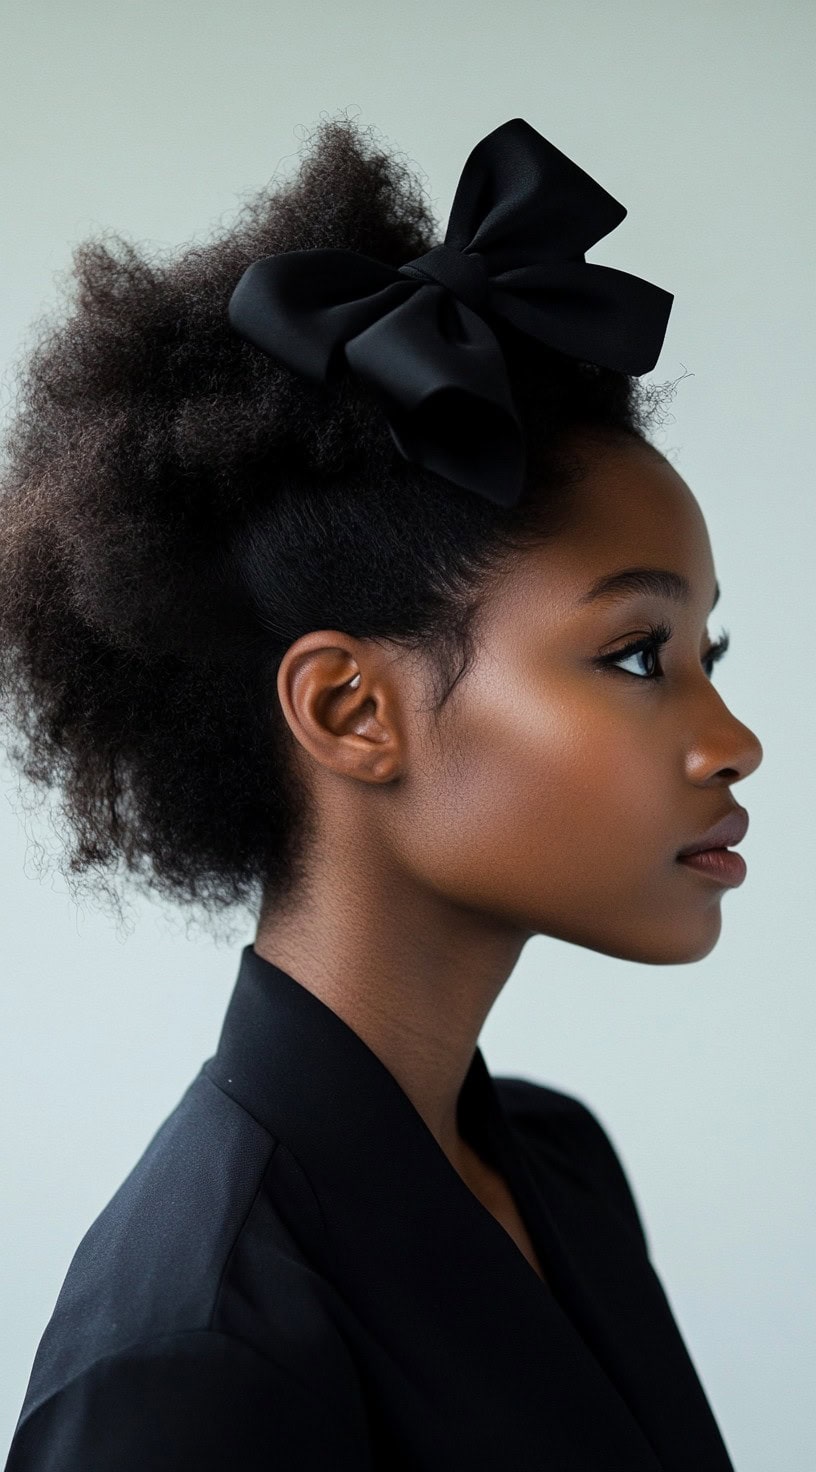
494, 1193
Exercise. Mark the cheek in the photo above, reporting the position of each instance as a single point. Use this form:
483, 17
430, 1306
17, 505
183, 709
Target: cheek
560, 818
537, 794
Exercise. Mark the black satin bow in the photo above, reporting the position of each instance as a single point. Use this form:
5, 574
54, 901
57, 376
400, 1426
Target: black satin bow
419, 335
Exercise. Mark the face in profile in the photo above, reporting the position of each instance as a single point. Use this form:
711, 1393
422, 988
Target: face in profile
566, 772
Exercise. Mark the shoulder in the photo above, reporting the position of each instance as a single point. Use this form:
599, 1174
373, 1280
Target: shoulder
150, 1264
568, 1137
214, 1402
191, 1245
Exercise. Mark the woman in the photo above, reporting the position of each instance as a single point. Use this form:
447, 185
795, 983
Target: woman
341, 578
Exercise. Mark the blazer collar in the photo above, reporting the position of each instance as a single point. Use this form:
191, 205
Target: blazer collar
311, 1079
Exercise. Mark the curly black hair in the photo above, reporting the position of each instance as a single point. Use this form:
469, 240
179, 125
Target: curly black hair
177, 510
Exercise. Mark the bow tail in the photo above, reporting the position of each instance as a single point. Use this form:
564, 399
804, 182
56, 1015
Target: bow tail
439, 376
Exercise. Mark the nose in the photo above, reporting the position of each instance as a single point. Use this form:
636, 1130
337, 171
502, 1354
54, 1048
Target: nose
730, 748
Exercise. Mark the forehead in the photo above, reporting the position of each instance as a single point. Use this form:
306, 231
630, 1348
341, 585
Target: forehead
630, 509
631, 497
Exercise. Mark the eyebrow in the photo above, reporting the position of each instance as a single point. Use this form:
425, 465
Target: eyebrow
632, 580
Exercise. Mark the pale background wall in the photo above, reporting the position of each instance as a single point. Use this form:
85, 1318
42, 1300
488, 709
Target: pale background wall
153, 119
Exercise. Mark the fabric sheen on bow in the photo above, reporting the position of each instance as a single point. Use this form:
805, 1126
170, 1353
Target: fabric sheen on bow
418, 334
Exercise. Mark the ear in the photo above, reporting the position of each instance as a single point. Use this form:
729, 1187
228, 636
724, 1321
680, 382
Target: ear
341, 700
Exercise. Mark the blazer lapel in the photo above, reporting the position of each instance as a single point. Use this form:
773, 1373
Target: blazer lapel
607, 1286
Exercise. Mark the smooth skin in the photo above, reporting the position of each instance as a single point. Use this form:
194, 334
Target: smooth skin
550, 796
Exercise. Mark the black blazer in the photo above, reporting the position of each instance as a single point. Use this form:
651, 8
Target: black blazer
294, 1275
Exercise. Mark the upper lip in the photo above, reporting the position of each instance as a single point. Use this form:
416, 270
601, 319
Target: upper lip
724, 834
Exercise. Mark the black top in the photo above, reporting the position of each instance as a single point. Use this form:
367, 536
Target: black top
294, 1275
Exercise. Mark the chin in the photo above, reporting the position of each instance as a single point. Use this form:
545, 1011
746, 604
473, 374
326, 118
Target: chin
685, 942
679, 941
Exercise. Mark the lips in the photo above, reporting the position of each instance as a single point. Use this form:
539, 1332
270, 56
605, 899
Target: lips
727, 831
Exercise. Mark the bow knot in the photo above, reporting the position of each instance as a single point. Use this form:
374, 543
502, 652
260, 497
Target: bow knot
523, 216
461, 272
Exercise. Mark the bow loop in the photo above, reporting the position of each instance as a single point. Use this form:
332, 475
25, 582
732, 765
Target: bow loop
422, 335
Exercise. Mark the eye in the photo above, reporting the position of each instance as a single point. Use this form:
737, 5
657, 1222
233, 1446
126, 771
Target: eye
650, 644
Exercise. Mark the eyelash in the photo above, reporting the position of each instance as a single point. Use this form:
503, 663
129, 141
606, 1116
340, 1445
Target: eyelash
660, 634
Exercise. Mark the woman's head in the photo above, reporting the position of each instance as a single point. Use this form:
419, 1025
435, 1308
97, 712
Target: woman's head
183, 520
557, 786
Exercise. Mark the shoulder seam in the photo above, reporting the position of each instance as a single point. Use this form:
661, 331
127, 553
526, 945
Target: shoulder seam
236, 1239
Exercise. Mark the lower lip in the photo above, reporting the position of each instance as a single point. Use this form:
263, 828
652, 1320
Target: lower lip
721, 864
